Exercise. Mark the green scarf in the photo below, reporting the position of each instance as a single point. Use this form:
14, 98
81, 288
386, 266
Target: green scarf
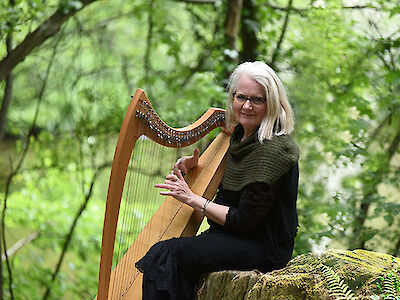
251, 161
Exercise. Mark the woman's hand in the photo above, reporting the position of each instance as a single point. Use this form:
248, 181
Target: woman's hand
184, 164
177, 188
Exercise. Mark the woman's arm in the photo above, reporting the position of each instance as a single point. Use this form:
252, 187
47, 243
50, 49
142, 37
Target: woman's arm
215, 212
177, 187
255, 202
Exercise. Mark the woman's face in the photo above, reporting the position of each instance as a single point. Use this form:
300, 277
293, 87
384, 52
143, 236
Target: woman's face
248, 114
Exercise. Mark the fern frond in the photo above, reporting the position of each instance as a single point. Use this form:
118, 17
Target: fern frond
390, 285
336, 286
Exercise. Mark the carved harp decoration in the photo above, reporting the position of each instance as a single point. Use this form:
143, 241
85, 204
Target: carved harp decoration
125, 240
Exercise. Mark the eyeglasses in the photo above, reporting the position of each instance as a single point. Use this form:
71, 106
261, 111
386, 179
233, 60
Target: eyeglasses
254, 100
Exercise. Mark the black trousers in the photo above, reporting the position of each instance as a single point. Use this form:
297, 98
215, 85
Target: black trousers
175, 265
150, 291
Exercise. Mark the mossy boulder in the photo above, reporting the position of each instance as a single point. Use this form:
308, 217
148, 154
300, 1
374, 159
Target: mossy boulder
334, 274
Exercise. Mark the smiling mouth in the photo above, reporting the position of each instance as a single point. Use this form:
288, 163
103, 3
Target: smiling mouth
249, 115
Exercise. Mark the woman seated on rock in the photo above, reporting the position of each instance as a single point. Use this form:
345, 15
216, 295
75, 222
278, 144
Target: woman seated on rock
253, 219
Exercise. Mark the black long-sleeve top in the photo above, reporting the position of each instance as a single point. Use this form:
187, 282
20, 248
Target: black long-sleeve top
264, 212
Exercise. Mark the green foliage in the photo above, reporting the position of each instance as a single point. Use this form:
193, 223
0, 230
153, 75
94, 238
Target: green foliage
68, 6
338, 102
339, 66
18, 19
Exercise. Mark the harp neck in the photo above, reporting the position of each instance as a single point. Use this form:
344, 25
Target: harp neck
156, 129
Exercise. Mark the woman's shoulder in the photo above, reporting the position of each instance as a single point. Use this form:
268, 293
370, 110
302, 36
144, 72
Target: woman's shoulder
282, 145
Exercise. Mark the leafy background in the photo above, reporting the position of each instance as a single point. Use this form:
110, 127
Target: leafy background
64, 98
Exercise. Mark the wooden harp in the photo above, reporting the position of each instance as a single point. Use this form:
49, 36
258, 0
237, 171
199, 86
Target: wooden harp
172, 219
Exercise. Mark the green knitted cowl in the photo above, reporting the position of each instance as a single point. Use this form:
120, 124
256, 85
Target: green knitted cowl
251, 161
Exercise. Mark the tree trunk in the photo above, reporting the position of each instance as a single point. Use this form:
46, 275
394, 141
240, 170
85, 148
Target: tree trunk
232, 22
282, 36
6, 104
229, 44
7, 92
249, 32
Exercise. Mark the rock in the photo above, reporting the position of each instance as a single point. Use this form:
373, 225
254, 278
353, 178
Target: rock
335, 274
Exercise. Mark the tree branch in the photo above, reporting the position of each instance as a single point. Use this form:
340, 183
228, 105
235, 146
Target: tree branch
3, 233
21, 161
71, 231
304, 10
147, 64
297, 10
36, 38
124, 72
378, 129
386, 42
200, 62
202, 57
21, 243
360, 7
279, 44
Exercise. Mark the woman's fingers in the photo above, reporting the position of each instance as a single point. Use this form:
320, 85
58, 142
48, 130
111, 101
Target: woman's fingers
179, 175
175, 176
172, 177
170, 183
193, 160
163, 186
174, 183
180, 165
183, 167
166, 193
184, 164
196, 155
176, 187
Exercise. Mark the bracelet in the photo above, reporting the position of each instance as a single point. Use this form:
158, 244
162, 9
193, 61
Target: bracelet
203, 208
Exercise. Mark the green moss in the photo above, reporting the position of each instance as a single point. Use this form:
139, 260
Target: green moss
335, 274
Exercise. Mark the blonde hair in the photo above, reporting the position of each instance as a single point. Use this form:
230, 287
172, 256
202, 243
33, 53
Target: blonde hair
279, 118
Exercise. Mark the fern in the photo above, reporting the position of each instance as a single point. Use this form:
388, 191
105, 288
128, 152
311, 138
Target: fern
390, 285
336, 286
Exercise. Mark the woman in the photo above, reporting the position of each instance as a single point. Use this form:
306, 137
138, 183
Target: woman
253, 219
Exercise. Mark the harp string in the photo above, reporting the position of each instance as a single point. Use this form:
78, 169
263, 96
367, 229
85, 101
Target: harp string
135, 212
138, 203
167, 211
130, 216
138, 207
122, 236
147, 202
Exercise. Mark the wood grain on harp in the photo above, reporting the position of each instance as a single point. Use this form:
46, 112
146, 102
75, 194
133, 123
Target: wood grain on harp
172, 219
